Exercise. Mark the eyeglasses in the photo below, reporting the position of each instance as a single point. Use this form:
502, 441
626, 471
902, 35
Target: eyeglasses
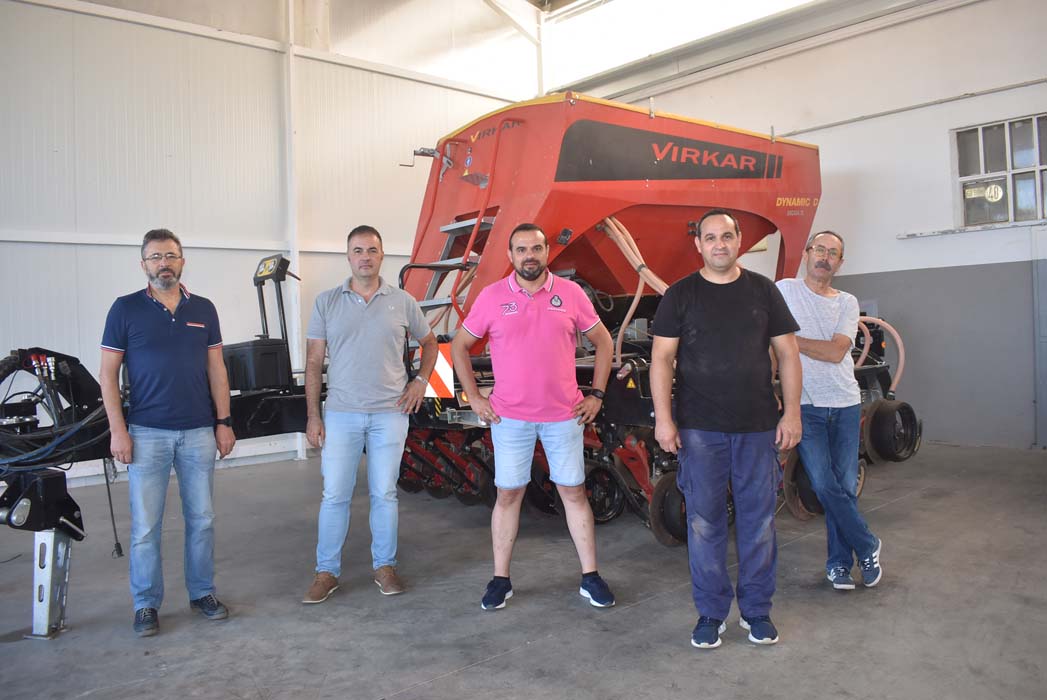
822, 250
166, 257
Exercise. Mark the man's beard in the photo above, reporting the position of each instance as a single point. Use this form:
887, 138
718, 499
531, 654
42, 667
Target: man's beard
164, 284
532, 274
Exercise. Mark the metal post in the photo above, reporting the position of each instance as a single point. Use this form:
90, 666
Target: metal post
261, 310
280, 309
51, 555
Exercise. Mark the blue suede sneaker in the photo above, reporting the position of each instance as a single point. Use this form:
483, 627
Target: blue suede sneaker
840, 578
706, 634
871, 569
499, 590
597, 591
761, 629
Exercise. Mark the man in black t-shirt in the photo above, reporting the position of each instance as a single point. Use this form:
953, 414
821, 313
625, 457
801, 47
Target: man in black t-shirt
717, 325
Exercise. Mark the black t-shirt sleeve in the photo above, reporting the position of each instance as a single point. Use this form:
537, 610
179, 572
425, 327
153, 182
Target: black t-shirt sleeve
780, 320
667, 318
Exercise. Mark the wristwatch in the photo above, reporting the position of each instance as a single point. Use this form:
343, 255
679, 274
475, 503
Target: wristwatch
420, 378
597, 393
227, 422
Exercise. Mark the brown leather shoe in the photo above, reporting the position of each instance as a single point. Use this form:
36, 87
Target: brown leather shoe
388, 582
323, 586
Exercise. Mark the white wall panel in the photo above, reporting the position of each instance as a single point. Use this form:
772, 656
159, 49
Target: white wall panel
972, 48
59, 294
354, 128
461, 40
37, 145
237, 123
112, 128
892, 175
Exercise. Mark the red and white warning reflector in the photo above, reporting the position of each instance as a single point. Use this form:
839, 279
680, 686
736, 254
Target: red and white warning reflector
441, 381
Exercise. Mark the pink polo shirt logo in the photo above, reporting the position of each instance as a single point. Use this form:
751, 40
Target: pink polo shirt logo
509, 308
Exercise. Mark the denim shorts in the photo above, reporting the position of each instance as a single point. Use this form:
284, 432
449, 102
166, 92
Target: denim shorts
514, 451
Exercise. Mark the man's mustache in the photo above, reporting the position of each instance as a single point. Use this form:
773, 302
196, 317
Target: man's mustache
824, 265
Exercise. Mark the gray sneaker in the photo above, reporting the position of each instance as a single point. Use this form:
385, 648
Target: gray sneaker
147, 622
209, 607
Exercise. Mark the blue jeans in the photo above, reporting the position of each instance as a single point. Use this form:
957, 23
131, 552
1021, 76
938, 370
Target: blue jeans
749, 462
347, 434
829, 451
192, 453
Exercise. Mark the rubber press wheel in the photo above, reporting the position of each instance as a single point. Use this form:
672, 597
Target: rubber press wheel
668, 512
605, 495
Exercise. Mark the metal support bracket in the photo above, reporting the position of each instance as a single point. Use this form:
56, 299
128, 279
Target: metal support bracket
51, 555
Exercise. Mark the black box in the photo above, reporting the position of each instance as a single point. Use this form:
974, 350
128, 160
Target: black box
258, 364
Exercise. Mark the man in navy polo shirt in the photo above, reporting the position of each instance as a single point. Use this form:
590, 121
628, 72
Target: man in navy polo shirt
178, 416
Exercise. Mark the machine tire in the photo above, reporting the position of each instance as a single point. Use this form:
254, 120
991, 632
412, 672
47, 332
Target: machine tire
790, 491
668, 511
541, 494
894, 432
606, 497
805, 492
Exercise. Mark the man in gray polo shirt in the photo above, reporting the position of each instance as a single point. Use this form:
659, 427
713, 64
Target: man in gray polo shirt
361, 325
830, 408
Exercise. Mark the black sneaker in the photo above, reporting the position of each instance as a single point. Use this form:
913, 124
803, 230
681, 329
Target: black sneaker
498, 591
597, 591
761, 629
706, 634
147, 622
210, 607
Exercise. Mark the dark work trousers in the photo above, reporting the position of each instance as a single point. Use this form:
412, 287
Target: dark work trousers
749, 462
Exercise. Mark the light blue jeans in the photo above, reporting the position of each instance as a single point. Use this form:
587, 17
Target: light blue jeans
347, 435
192, 454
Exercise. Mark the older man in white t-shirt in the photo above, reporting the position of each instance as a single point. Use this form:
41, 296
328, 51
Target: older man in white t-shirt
831, 408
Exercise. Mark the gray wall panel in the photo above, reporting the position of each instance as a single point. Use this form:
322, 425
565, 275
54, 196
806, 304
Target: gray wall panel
969, 348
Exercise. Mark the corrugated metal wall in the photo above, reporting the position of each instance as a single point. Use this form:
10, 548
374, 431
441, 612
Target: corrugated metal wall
109, 128
354, 128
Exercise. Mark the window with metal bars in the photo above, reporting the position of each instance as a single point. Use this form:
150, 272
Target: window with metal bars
1002, 171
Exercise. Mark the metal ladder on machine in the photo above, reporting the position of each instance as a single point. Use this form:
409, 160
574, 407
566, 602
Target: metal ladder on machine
442, 268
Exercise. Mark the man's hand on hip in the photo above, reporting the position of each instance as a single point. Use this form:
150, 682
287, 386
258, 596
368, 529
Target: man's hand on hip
411, 400
482, 408
586, 410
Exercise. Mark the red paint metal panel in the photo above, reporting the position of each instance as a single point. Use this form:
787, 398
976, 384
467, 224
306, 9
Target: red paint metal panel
567, 161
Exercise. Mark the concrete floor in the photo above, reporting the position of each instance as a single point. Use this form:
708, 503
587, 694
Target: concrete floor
961, 612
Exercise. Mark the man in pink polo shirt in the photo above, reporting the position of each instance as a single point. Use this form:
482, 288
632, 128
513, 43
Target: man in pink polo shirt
532, 318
